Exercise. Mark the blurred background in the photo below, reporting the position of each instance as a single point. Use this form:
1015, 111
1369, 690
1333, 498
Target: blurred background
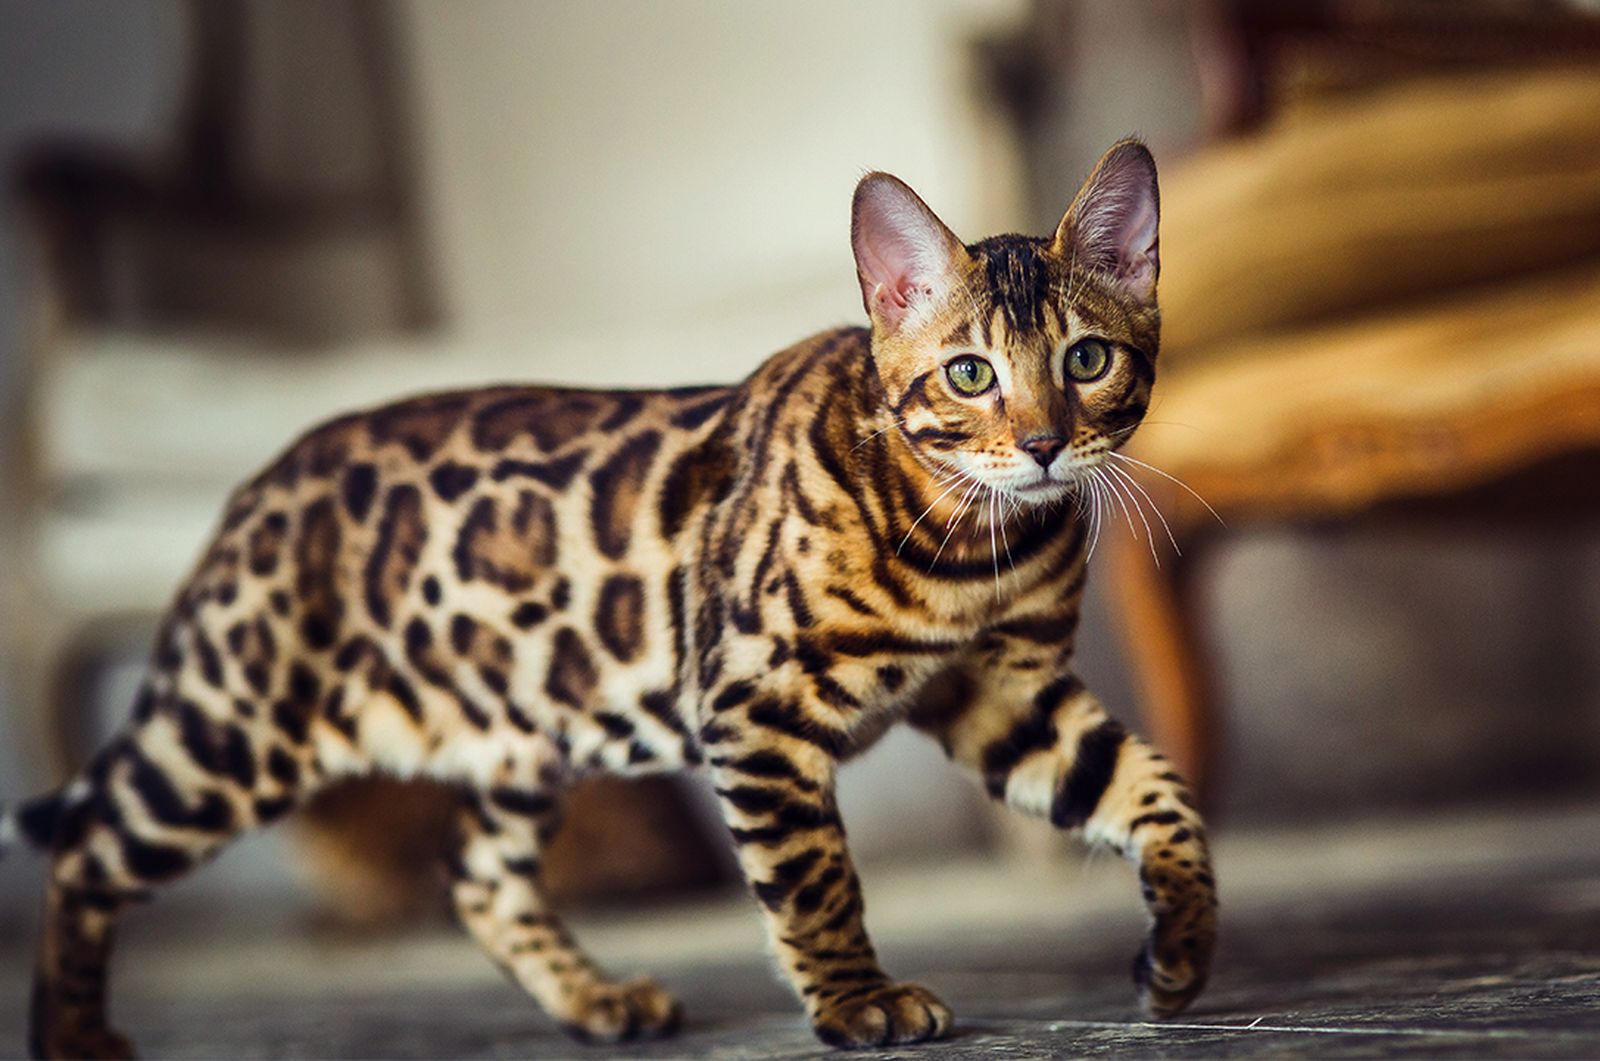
226, 220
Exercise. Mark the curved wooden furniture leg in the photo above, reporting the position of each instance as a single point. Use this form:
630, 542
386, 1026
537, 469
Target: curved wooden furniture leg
1156, 612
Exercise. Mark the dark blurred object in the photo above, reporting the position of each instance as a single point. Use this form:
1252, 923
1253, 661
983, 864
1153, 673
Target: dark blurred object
372, 848
287, 205
1257, 56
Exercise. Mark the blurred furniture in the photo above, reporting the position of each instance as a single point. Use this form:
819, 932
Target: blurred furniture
1385, 302
287, 204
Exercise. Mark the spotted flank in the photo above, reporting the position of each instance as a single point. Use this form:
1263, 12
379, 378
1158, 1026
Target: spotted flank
509, 589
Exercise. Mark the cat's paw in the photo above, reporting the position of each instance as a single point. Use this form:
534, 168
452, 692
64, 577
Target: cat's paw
887, 1014
83, 1042
615, 1013
1171, 968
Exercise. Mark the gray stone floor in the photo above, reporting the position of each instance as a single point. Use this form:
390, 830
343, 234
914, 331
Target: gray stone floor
1465, 935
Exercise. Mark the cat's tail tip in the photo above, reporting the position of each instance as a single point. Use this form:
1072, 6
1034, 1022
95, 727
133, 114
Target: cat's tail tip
31, 823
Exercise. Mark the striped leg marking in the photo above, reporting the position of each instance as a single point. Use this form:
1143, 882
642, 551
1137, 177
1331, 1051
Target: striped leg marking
774, 778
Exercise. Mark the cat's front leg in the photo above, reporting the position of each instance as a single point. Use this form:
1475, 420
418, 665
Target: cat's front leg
773, 759
1048, 748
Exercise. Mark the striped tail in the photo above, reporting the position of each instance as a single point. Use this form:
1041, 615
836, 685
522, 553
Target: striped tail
32, 823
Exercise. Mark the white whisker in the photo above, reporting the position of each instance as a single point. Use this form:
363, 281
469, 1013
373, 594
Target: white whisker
955, 521
1093, 495
1153, 506
1149, 535
897, 422
1172, 478
958, 477
993, 551
1006, 541
955, 517
1116, 494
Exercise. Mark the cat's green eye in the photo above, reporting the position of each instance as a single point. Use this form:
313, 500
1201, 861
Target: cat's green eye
970, 375
1088, 360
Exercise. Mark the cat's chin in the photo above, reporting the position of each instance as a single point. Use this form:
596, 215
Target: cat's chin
1040, 491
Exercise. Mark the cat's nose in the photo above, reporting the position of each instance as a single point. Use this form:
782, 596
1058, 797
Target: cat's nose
1043, 448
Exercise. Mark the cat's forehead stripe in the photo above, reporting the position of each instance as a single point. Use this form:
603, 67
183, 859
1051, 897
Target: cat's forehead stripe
961, 334
1018, 277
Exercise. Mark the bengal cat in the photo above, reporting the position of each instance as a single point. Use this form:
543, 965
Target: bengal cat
509, 588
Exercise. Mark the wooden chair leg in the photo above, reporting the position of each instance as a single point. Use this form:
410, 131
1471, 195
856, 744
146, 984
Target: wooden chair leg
1156, 612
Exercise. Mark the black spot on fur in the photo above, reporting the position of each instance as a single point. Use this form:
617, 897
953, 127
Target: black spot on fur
152, 862
164, 803
450, 480
619, 616
617, 487
1032, 734
733, 694
692, 416
556, 474
791, 720
463, 629
529, 614
38, 818
572, 676
523, 802
359, 487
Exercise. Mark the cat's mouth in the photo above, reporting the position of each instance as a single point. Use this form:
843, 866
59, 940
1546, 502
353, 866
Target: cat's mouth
1043, 488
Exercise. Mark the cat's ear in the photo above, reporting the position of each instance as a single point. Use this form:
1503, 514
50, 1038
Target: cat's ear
906, 258
1113, 224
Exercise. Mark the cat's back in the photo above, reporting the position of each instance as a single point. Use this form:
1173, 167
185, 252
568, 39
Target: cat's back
460, 446
517, 499
522, 501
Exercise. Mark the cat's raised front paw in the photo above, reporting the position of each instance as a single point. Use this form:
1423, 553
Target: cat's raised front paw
887, 1014
1171, 968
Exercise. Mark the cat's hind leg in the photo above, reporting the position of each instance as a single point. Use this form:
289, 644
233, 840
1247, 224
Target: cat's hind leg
153, 804
499, 898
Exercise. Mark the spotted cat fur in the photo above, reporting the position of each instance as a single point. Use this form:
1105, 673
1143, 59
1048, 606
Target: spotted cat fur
509, 588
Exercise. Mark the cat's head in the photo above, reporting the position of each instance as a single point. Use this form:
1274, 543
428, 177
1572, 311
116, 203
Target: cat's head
1019, 361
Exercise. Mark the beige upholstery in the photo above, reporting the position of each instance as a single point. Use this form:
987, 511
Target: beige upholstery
1414, 189
1423, 400
1390, 299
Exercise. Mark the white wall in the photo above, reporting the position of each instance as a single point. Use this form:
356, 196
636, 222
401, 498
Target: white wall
651, 166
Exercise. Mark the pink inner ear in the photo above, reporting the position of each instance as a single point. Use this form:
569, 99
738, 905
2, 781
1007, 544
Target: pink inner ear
890, 278
885, 262
901, 249
1115, 224
1138, 275
1138, 232
893, 295
1137, 261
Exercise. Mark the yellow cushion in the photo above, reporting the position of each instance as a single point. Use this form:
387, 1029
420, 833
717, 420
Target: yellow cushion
1409, 190
1412, 402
